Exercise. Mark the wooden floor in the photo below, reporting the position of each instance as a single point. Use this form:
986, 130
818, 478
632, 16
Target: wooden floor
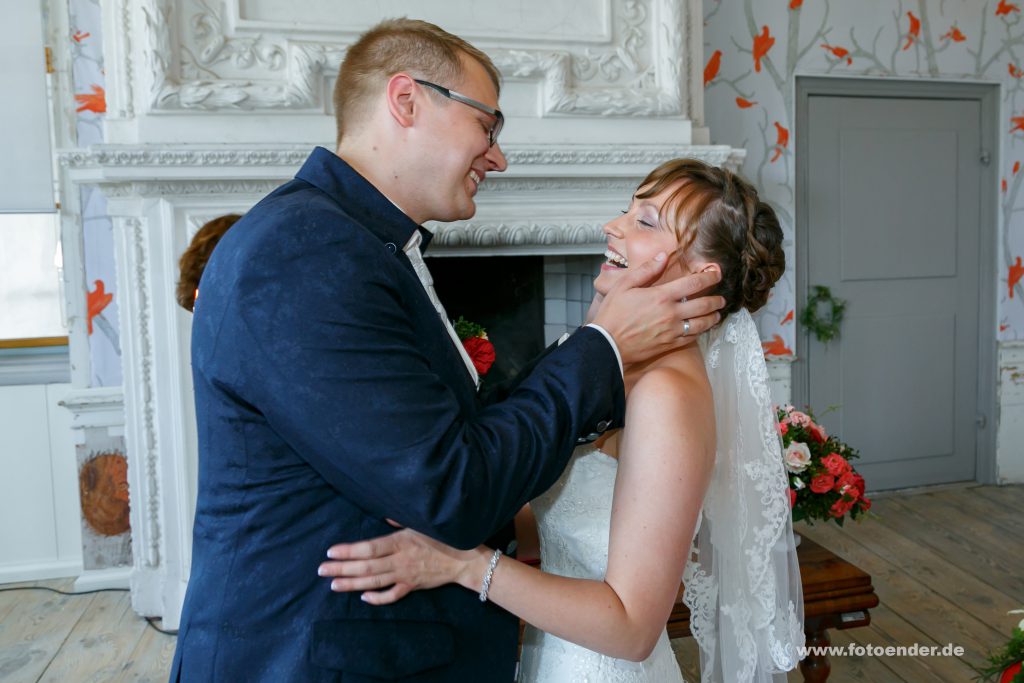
946, 564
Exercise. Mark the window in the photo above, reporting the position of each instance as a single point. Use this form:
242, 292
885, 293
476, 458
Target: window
30, 291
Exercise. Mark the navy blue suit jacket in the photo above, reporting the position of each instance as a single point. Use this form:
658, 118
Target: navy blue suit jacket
330, 397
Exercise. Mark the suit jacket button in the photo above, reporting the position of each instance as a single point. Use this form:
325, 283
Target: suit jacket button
392, 247
603, 425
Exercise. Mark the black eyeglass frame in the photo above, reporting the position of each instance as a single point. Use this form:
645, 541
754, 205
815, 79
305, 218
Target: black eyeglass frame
499, 118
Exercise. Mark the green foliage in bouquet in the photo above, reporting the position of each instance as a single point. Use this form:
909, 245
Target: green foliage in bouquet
822, 483
1004, 665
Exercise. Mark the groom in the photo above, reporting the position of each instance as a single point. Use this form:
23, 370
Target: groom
331, 393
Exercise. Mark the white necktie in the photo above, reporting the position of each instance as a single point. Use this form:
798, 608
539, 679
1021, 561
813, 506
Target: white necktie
412, 250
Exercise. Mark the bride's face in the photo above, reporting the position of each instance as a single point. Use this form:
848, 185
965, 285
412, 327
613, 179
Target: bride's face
636, 237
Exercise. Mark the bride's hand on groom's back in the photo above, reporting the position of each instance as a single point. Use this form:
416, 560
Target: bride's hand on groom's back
388, 568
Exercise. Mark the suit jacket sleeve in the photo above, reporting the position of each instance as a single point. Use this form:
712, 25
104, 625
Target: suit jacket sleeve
333, 364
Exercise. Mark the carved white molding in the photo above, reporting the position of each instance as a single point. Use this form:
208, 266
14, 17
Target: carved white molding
99, 407
247, 157
469, 235
140, 393
646, 71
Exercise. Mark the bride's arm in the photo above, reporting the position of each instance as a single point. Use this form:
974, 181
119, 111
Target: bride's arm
666, 457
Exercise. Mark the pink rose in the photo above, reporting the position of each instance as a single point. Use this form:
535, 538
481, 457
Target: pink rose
823, 483
783, 428
797, 457
835, 464
800, 419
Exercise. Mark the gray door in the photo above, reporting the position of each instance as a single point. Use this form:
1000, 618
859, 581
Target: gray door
893, 211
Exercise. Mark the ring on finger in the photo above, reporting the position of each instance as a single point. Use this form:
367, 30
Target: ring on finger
686, 327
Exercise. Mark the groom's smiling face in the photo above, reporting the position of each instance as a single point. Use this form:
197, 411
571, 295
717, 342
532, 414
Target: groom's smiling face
637, 236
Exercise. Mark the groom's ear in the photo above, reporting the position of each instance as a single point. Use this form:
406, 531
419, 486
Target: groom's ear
401, 93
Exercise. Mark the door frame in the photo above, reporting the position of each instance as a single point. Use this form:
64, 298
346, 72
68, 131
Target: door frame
987, 95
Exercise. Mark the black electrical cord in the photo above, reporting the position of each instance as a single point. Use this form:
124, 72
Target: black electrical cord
149, 620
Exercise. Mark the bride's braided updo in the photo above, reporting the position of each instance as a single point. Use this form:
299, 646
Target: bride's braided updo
718, 217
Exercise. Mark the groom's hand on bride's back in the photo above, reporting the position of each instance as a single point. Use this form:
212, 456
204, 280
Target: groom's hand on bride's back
646, 320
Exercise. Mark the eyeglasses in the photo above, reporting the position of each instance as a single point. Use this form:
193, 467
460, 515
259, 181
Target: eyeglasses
499, 118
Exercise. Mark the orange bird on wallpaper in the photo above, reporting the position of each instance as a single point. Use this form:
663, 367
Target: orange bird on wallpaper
795, 4
781, 140
95, 101
955, 35
96, 301
789, 317
79, 36
839, 53
762, 44
1004, 185
1018, 123
711, 70
915, 30
1016, 167
1004, 8
1015, 70
1016, 273
776, 347
743, 103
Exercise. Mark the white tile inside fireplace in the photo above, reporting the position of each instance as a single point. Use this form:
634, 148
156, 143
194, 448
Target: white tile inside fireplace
568, 291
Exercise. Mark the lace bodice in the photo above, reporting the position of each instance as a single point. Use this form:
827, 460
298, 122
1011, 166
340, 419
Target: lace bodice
574, 519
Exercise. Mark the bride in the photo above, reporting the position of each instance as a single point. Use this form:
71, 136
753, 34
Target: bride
692, 487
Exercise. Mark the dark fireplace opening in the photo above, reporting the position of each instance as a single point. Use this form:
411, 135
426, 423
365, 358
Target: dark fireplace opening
504, 294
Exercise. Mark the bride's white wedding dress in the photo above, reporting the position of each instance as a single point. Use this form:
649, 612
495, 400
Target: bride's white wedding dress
742, 579
573, 520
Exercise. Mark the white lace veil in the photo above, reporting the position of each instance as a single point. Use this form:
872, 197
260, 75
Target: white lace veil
743, 580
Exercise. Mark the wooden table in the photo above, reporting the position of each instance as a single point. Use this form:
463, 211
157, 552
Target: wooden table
837, 595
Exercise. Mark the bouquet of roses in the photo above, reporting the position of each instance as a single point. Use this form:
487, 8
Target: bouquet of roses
1004, 665
822, 483
478, 346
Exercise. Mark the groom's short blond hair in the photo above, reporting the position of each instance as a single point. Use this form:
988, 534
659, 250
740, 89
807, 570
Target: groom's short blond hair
418, 47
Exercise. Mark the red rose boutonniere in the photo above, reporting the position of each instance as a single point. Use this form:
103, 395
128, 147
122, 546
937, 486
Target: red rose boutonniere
478, 346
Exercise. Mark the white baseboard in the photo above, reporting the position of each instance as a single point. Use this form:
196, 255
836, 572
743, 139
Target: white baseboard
96, 579
39, 571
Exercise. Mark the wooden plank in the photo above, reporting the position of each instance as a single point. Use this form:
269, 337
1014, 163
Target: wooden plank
890, 629
688, 655
34, 630
975, 504
913, 600
931, 568
1011, 496
852, 667
100, 642
945, 511
150, 661
974, 555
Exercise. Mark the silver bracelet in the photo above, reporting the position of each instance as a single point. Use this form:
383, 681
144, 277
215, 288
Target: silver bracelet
490, 573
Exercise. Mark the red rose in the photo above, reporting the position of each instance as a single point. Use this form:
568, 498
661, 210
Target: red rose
841, 507
835, 464
783, 427
847, 484
858, 481
792, 498
817, 432
481, 352
823, 483
865, 504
